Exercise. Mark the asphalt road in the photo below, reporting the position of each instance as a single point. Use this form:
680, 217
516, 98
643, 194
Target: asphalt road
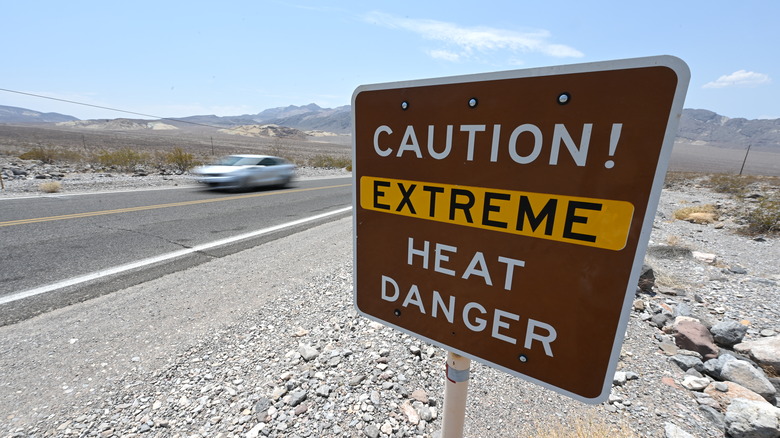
57, 250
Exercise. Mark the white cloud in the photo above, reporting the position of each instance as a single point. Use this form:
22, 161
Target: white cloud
740, 78
465, 42
444, 54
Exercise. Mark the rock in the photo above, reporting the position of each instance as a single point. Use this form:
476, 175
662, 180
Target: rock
721, 386
356, 380
301, 409
683, 309
323, 391
308, 352
423, 411
734, 391
300, 332
371, 431
668, 348
713, 415
705, 400
693, 372
751, 419
686, 362
662, 319
737, 270
776, 382
714, 367
672, 431
728, 333
765, 351
669, 291
278, 392
705, 257
646, 279
420, 395
411, 413
255, 431
670, 382
693, 335
297, 397
262, 405
694, 383
745, 374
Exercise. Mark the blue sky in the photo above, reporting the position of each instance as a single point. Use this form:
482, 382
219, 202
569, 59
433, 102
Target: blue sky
175, 59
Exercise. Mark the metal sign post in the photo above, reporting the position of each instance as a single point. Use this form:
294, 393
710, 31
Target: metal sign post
456, 388
505, 216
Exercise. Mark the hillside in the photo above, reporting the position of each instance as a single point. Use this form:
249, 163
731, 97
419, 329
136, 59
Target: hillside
305, 118
12, 114
702, 126
697, 126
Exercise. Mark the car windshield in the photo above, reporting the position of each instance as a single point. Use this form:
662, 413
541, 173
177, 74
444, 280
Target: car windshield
236, 161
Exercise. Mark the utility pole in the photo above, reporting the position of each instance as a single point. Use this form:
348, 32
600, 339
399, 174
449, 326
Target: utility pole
745, 160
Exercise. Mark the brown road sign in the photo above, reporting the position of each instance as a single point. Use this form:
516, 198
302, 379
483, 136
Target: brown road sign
505, 216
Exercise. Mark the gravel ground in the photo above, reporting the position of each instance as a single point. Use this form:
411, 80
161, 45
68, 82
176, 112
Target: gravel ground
84, 182
212, 352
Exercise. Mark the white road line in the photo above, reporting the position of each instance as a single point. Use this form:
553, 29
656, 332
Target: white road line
161, 258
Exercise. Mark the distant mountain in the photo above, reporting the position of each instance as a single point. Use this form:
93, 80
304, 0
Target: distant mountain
697, 126
288, 111
12, 114
309, 117
338, 120
703, 126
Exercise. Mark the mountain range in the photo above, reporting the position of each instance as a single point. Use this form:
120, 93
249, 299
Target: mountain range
697, 126
12, 114
309, 117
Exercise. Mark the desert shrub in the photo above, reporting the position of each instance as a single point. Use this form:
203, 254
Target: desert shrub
589, 426
329, 161
278, 148
124, 158
50, 187
700, 214
45, 155
180, 159
49, 155
732, 184
677, 179
765, 218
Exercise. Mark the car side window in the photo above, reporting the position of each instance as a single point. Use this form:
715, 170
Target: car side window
268, 162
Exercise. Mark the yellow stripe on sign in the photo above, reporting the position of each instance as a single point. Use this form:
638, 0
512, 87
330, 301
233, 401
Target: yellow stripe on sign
599, 223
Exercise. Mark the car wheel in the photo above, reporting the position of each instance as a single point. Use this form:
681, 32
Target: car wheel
243, 185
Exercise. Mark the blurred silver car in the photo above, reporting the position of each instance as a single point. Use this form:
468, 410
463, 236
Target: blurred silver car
241, 172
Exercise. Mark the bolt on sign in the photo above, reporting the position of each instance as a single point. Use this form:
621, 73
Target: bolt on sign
505, 216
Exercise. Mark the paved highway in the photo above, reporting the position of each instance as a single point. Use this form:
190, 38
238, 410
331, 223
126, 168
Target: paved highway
56, 250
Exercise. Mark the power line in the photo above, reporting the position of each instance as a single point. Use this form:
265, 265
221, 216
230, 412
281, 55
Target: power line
111, 109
